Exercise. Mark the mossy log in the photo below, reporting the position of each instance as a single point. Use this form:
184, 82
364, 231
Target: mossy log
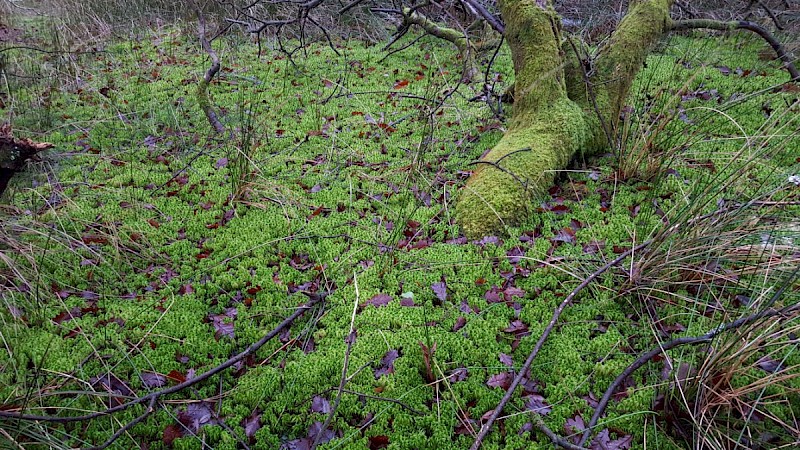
560, 107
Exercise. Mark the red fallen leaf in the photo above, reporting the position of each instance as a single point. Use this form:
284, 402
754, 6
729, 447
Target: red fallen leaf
203, 255
327, 83
73, 332
279, 133
171, 432
356, 113
502, 380
153, 223
253, 290
176, 376
387, 128
318, 211
619, 249
400, 84
314, 133
66, 316
460, 323
379, 300
378, 442
94, 239
212, 226
118, 163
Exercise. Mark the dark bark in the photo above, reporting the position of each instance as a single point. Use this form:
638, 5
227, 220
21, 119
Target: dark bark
14, 154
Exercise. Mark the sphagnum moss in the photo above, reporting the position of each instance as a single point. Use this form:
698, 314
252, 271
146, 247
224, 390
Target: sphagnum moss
281, 220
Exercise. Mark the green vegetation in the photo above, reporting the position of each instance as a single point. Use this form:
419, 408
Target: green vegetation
148, 250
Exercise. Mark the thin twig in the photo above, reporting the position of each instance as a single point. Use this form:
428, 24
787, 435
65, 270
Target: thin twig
493, 21
350, 339
385, 399
314, 298
528, 362
149, 410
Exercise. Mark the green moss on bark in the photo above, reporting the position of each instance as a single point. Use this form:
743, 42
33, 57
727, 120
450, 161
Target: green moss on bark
520, 167
554, 116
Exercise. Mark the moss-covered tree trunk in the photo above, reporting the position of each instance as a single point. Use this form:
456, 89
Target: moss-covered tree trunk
555, 111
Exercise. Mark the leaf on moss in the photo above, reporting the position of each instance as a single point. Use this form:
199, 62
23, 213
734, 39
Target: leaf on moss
252, 424
387, 363
152, 380
379, 300
320, 404
440, 289
501, 380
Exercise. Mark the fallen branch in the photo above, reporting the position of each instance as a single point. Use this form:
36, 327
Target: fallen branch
528, 362
152, 397
691, 340
780, 50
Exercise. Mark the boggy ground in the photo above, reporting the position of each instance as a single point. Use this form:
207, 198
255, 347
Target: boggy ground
156, 250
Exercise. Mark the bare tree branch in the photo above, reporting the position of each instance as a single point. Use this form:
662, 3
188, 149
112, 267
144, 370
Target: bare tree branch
483, 12
662, 348
780, 50
528, 362
202, 87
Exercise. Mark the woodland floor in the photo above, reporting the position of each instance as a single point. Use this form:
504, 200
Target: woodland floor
157, 249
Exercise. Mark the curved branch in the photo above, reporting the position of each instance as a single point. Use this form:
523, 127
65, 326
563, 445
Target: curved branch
690, 340
452, 35
780, 50
314, 299
528, 362
489, 17
202, 87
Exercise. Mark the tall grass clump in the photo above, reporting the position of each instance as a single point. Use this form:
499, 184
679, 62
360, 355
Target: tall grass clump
727, 251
